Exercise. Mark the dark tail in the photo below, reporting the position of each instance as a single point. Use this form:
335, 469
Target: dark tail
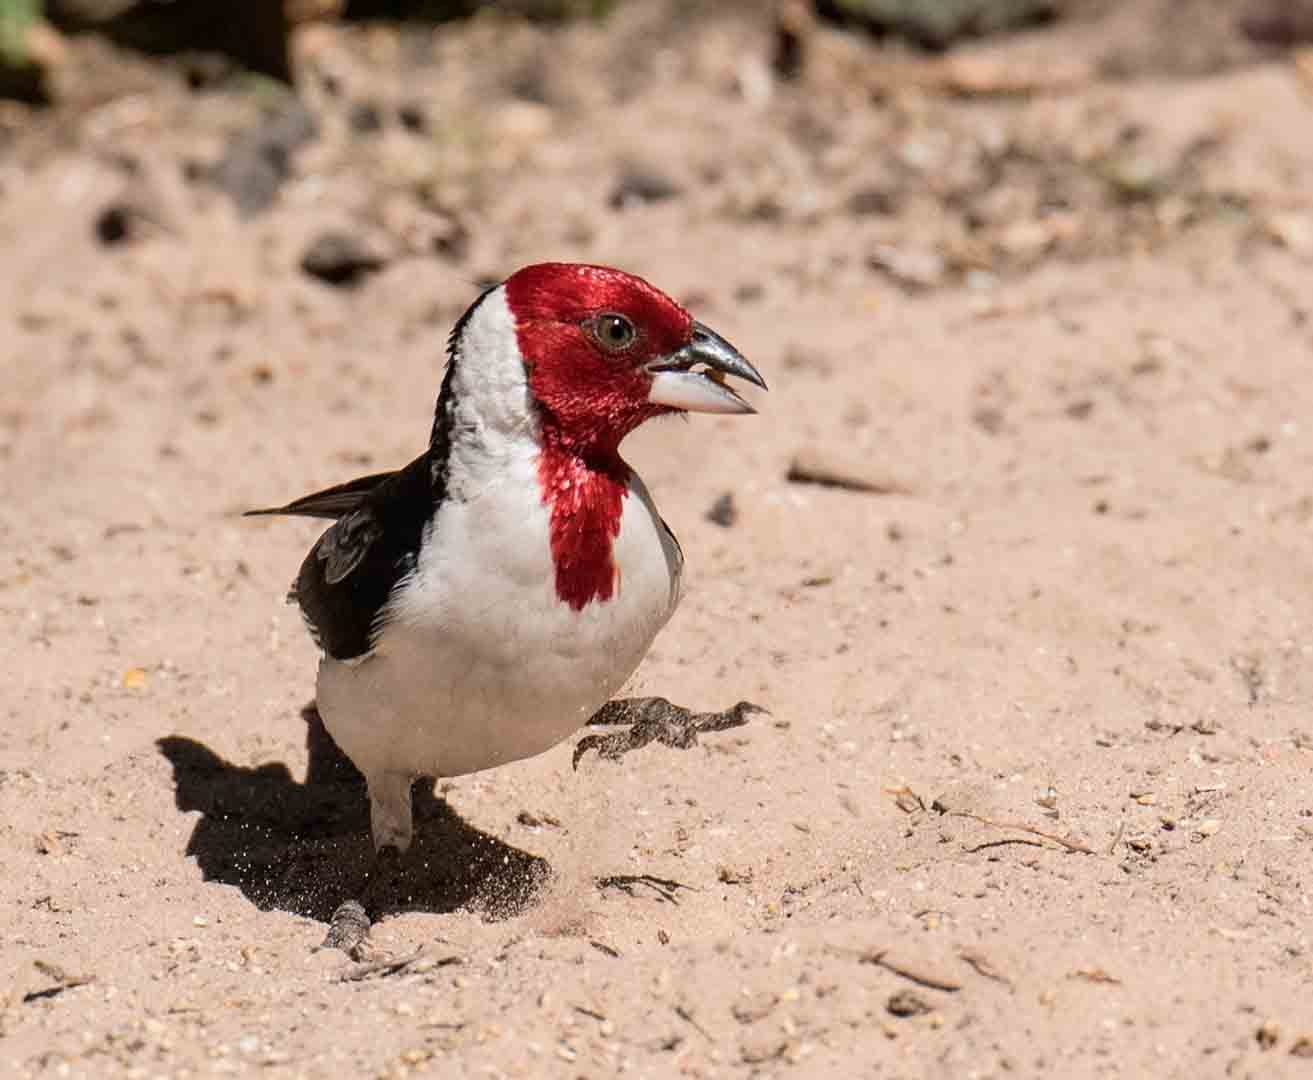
332, 503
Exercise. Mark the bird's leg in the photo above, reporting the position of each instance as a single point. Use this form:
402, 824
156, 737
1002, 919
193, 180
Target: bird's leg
656, 719
391, 825
391, 820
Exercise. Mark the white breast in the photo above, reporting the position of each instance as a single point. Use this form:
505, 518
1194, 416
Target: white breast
479, 662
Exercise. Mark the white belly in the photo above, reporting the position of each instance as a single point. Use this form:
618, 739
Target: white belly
481, 663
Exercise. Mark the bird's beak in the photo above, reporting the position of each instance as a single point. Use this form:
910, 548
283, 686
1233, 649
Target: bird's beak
677, 385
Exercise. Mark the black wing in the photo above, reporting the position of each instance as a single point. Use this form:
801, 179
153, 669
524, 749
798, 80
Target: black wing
353, 568
374, 543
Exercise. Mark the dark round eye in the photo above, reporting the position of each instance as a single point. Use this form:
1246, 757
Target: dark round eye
614, 332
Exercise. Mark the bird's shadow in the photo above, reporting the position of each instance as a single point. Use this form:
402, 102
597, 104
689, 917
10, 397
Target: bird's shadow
305, 847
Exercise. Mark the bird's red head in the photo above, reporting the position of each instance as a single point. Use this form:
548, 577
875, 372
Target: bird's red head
606, 351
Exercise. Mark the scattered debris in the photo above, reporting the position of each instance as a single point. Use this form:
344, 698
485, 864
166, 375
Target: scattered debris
60, 979
907, 800
1070, 845
1094, 975
731, 875
665, 888
913, 268
686, 1014
53, 842
755, 1007
414, 964
982, 965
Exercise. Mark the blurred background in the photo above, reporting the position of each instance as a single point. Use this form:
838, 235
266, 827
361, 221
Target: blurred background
466, 131
1022, 533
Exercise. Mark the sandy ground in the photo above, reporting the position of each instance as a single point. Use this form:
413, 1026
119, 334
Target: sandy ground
1035, 797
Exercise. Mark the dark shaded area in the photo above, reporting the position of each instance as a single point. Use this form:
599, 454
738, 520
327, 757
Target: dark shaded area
305, 847
1280, 23
252, 32
937, 24
435, 10
440, 10
25, 83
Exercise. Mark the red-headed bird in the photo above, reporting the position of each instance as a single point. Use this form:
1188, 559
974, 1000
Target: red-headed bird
484, 602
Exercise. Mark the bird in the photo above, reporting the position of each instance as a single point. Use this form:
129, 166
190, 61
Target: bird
483, 603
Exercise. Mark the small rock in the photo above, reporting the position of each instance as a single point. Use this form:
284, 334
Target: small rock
906, 1003
639, 186
413, 118
767, 1048
340, 259
723, 512
365, 118
114, 224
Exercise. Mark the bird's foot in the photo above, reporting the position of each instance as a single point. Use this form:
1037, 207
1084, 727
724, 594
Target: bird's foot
349, 927
348, 930
655, 719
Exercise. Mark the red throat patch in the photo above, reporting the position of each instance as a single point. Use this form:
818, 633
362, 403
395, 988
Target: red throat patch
586, 501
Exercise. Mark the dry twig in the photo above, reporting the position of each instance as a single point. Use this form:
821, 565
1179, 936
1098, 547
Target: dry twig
1070, 845
880, 958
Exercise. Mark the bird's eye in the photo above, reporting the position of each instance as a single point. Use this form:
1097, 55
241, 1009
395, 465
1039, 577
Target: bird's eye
613, 332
